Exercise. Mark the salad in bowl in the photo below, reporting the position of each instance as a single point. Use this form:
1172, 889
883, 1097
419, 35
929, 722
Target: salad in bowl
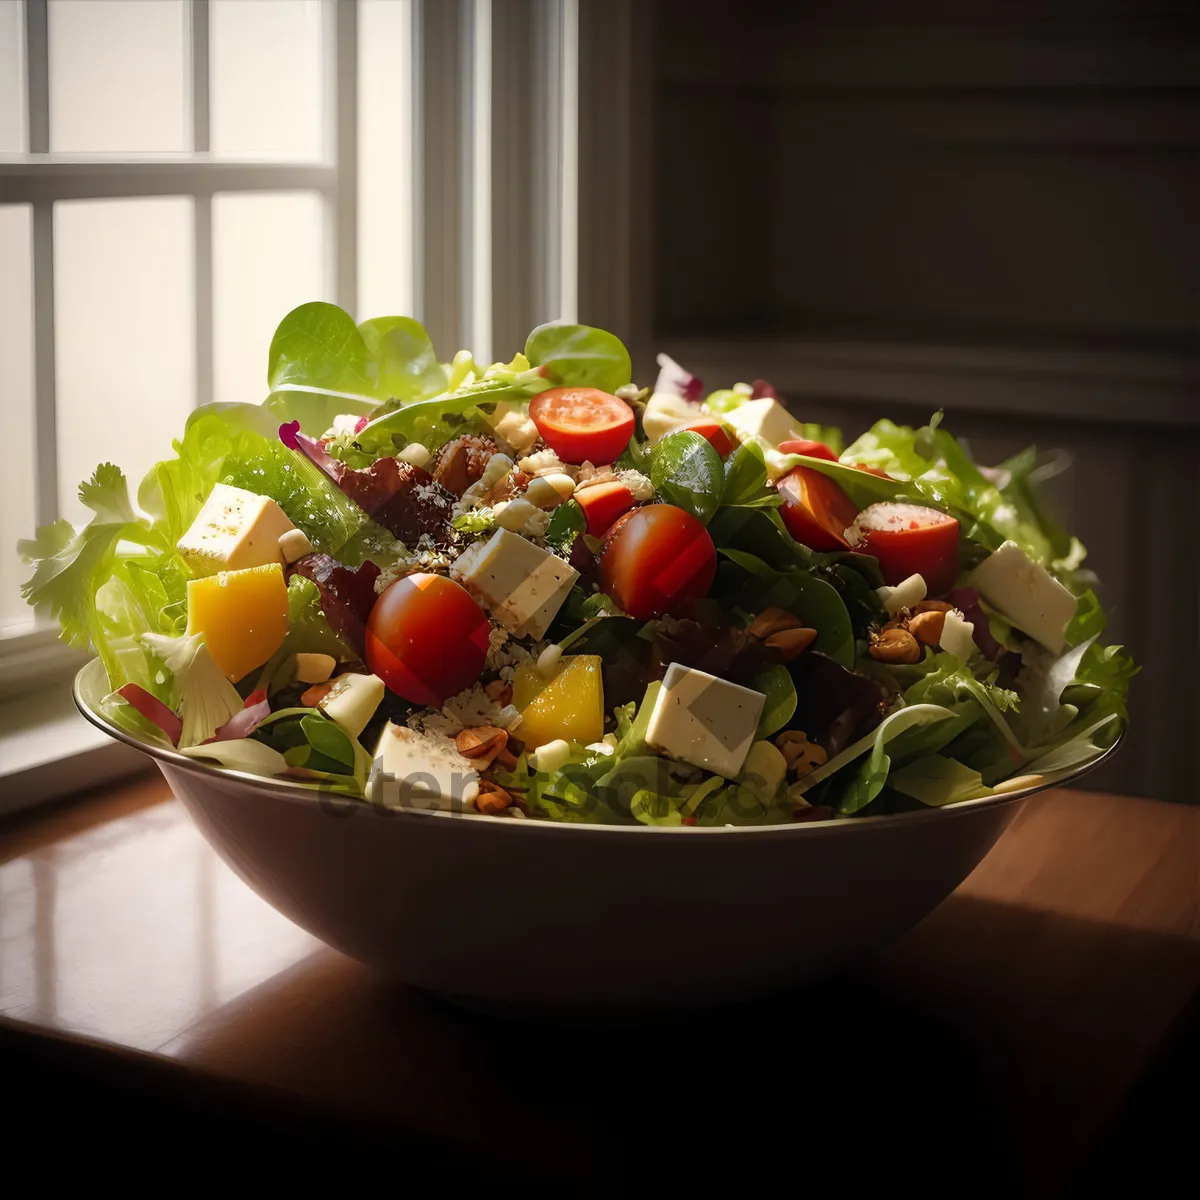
538, 590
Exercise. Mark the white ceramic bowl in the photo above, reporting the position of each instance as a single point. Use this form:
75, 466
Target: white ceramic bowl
522, 914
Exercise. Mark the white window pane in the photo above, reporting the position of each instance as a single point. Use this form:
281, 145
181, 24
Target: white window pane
265, 77
385, 157
117, 78
13, 126
268, 257
16, 387
124, 335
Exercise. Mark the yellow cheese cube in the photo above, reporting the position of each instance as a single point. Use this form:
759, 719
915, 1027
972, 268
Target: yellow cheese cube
570, 705
242, 614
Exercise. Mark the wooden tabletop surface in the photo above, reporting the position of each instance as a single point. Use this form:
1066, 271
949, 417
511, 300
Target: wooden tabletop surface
1005, 1037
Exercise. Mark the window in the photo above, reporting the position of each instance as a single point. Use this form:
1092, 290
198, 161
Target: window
176, 174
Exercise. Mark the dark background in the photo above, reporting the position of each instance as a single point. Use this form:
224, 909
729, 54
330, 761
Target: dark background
889, 208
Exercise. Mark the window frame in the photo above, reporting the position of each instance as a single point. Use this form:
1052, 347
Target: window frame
494, 95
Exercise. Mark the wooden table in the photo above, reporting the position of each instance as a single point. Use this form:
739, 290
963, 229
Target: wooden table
1028, 1038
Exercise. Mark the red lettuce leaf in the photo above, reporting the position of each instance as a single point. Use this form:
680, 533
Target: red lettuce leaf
674, 380
764, 391
347, 594
404, 499
966, 600
153, 709
834, 706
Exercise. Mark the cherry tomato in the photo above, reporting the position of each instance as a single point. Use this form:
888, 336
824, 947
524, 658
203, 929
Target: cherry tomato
804, 446
909, 539
603, 504
714, 433
815, 510
656, 558
582, 424
426, 638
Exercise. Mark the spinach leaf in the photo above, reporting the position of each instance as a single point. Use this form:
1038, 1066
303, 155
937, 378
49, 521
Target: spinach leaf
746, 477
686, 471
811, 598
578, 356
776, 684
408, 366
567, 523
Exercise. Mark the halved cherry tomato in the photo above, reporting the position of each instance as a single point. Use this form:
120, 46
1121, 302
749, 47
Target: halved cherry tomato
603, 504
582, 424
655, 559
909, 539
815, 510
427, 639
804, 446
714, 433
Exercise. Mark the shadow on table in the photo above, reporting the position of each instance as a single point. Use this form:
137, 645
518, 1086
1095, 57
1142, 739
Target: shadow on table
969, 1065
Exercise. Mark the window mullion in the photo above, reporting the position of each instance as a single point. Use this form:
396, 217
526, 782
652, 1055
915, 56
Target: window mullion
342, 93
37, 74
440, 122
202, 246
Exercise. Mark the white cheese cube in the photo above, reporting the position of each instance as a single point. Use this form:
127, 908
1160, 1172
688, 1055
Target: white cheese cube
522, 585
766, 419
958, 636
666, 413
421, 770
906, 594
234, 530
1027, 594
314, 668
705, 721
416, 455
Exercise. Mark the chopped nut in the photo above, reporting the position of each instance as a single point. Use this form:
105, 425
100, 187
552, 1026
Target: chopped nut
927, 627
801, 755
544, 462
313, 696
548, 660
506, 759
773, 620
294, 544
513, 515
499, 691
481, 744
895, 645
492, 799
933, 606
791, 643
549, 491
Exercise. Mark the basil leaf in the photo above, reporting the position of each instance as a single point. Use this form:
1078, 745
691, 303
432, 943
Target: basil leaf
579, 356
686, 471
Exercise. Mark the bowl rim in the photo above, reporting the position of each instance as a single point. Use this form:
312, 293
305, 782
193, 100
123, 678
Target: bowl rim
297, 792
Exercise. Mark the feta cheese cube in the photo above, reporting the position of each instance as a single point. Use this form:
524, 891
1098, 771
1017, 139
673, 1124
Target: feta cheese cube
1027, 594
522, 585
420, 770
958, 636
235, 529
514, 426
352, 701
766, 419
705, 721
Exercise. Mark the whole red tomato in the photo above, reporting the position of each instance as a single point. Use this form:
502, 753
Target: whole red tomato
656, 558
427, 639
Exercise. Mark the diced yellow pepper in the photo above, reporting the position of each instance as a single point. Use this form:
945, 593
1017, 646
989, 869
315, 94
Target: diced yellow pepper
242, 614
570, 705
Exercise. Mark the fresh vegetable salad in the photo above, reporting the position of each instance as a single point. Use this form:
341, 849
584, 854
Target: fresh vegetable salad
537, 590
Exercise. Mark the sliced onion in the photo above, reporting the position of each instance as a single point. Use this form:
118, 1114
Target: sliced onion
153, 709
